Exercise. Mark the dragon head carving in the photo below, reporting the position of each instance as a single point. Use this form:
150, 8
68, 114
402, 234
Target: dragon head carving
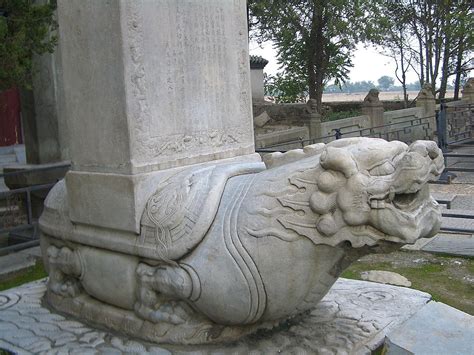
363, 191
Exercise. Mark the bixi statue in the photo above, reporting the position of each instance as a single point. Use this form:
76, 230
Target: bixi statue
227, 249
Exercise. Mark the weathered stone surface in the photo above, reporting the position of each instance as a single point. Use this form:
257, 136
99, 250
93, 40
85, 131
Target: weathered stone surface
435, 329
271, 135
454, 244
353, 318
155, 84
261, 119
246, 247
149, 86
13, 263
385, 277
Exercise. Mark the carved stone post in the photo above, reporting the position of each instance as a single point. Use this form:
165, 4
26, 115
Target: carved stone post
314, 119
468, 91
426, 100
373, 108
149, 86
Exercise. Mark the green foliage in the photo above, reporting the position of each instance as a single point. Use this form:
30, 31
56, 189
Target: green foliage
285, 89
314, 39
25, 29
441, 276
385, 82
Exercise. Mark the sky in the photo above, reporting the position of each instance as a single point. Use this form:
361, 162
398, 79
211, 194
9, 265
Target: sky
369, 64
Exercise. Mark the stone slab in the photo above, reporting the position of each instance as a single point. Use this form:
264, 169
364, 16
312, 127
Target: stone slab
354, 317
13, 263
455, 244
34, 252
464, 223
436, 329
419, 244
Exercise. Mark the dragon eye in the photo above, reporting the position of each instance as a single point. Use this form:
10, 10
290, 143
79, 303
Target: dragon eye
382, 169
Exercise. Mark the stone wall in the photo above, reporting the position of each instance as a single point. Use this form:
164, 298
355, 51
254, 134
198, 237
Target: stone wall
347, 126
404, 124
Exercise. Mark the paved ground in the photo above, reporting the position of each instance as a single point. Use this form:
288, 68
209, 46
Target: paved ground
353, 317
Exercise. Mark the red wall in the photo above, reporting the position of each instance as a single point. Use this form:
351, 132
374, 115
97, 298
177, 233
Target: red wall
10, 124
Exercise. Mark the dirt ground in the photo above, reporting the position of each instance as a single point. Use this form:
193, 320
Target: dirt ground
448, 279
384, 96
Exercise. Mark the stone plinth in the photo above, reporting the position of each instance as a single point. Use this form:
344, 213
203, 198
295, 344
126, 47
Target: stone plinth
150, 85
353, 317
436, 329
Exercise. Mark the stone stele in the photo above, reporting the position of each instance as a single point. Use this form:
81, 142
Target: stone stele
226, 249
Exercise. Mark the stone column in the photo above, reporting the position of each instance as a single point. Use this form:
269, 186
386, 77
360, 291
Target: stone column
426, 100
149, 86
468, 91
256, 77
314, 119
373, 108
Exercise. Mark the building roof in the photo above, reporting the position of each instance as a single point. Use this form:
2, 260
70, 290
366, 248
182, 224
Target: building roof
257, 62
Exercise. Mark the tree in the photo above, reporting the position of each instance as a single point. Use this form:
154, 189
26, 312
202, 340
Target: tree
24, 31
394, 38
432, 37
285, 89
314, 38
385, 82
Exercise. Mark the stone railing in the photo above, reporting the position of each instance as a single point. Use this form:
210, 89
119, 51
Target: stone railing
348, 127
407, 125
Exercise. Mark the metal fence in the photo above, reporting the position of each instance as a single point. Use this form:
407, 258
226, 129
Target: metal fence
455, 127
18, 225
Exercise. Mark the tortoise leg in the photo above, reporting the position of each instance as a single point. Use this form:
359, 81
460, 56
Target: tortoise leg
65, 270
161, 290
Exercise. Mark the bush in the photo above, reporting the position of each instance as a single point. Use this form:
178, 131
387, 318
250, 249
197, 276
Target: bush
25, 30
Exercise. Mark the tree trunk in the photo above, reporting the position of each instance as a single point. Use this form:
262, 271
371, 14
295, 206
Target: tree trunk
316, 58
457, 80
445, 69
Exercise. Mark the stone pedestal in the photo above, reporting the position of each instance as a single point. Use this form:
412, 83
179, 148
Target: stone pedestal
373, 108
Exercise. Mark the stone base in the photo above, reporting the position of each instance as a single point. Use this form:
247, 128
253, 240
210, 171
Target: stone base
353, 317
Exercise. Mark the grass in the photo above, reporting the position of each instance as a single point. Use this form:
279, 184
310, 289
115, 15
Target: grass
333, 116
444, 277
31, 274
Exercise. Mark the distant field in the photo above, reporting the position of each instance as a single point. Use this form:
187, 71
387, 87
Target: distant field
359, 96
